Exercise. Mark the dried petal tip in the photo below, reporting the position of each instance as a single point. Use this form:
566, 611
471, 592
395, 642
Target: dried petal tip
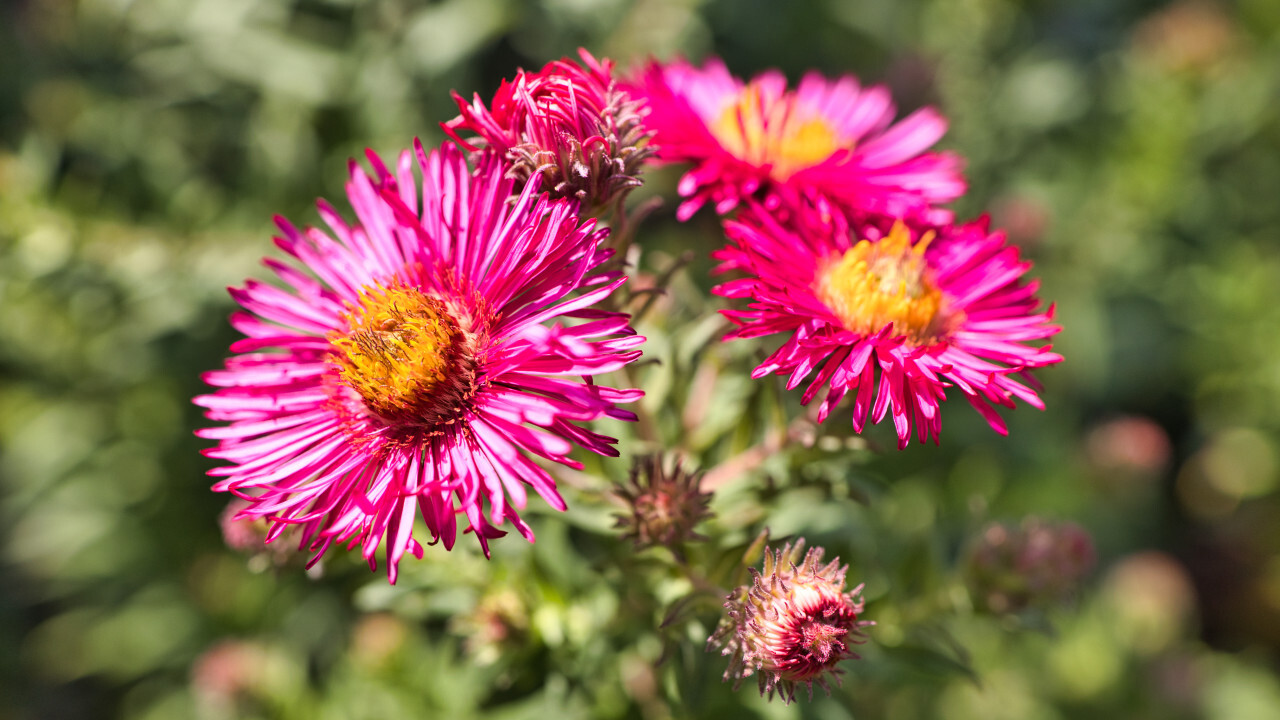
792, 625
665, 507
569, 123
1009, 569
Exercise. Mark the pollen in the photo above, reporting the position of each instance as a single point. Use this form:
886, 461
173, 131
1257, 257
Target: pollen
874, 284
779, 132
406, 357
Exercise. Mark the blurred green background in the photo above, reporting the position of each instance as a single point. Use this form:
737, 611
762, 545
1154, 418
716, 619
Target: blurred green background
1131, 148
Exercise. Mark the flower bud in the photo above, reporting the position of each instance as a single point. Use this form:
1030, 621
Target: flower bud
1009, 569
792, 625
665, 507
569, 123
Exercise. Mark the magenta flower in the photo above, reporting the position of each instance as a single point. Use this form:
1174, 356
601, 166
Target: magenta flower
417, 374
568, 123
827, 137
892, 317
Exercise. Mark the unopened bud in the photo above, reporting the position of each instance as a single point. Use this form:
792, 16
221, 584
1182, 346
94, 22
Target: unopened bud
664, 507
569, 123
792, 625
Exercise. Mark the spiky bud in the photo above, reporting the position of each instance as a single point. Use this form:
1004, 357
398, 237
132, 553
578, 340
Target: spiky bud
792, 625
569, 123
663, 507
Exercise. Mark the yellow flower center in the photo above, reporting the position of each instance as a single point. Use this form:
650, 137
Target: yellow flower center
406, 356
876, 283
777, 132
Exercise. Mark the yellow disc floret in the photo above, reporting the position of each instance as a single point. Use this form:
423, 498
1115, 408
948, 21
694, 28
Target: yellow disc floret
405, 355
777, 132
876, 283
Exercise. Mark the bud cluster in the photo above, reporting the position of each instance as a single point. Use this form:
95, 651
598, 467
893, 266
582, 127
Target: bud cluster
1009, 569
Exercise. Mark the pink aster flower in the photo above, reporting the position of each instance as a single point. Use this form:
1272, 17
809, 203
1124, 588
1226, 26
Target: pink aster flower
568, 123
893, 318
828, 137
415, 372
792, 625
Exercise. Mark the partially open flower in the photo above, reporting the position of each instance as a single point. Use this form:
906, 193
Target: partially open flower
664, 506
1039, 562
792, 625
569, 123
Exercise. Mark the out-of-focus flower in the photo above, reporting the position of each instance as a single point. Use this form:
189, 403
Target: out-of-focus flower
497, 624
1153, 598
376, 638
570, 124
1009, 568
831, 137
248, 535
227, 673
792, 625
923, 310
665, 507
242, 534
1186, 35
1024, 218
416, 373
1131, 444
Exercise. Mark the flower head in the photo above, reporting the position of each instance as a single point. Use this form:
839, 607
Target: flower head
570, 124
792, 625
1012, 567
894, 316
827, 137
665, 507
414, 373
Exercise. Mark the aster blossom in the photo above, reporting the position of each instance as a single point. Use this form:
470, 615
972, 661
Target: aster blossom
792, 625
569, 123
892, 316
832, 138
407, 367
